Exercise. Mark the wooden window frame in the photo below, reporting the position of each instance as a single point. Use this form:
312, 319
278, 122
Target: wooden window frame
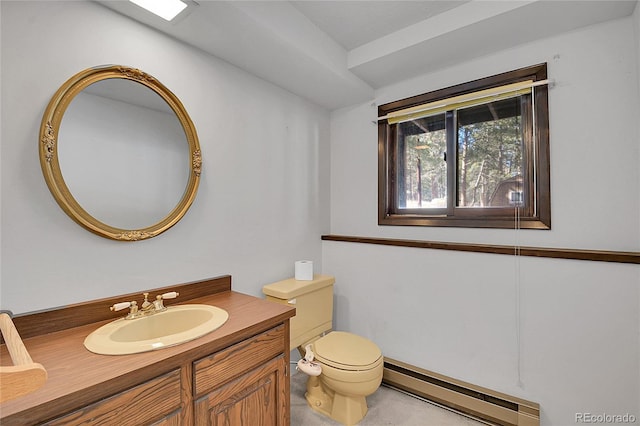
536, 214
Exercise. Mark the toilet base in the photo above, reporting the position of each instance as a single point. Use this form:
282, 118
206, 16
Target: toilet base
348, 410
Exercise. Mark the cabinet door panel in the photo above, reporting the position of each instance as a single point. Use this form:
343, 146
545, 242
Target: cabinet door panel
257, 398
219, 368
140, 405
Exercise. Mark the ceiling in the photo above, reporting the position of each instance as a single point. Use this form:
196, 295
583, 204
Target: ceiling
354, 23
336, 53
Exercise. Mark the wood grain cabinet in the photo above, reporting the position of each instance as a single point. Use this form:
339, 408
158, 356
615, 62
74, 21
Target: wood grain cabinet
235, 375
246, 384
156, 401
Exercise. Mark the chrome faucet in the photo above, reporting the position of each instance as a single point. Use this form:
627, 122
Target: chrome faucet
147, 308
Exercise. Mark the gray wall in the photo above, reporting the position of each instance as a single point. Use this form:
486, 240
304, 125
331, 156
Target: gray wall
562, 333
263, 196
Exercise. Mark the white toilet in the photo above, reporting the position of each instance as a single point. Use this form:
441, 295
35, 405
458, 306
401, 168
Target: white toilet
351, 365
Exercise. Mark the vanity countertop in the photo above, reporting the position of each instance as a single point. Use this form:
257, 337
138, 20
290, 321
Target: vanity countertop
77, 376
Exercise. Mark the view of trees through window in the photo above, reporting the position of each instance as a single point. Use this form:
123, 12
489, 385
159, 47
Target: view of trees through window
489, 162
424, 164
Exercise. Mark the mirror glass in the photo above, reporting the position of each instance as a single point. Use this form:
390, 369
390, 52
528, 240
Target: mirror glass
119, 153
123, 123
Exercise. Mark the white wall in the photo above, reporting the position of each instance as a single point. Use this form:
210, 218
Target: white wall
263, 196
636, 18
559, 332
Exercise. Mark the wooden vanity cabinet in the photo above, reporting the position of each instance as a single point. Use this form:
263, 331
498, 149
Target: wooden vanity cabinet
236, 375
245, 384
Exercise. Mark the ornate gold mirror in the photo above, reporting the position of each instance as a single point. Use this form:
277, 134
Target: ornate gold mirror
119, 153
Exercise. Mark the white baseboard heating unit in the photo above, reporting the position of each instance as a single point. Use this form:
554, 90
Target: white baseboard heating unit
485, 404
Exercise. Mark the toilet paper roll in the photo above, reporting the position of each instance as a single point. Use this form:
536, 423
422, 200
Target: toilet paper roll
304, 270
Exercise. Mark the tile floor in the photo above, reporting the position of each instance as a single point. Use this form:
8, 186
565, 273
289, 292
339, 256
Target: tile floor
386, 407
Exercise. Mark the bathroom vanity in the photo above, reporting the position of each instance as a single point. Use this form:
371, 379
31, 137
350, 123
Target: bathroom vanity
237, 374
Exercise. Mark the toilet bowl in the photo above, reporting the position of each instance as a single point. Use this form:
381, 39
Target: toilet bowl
351, 366
352, 369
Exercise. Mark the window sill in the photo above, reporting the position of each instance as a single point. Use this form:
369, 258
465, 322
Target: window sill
464, 222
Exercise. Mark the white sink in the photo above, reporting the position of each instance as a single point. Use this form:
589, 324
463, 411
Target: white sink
178, 324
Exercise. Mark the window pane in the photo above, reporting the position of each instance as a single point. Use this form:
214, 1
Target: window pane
422, 167
490, 154
497, 155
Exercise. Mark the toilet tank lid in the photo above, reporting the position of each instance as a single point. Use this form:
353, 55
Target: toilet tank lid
288, 289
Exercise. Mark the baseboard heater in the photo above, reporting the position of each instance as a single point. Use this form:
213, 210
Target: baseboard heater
485, 404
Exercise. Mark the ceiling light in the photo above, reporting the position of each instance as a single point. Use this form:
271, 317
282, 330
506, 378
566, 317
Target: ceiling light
166, 9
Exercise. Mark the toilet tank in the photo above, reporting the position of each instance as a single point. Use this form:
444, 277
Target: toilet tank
313, 301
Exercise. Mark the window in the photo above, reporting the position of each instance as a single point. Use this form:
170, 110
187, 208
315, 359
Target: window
471, 155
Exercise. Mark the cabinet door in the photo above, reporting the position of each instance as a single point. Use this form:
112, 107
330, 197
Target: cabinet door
219, 368
259, 397
156, 400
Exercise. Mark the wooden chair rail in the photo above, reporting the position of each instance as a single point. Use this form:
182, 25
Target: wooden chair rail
557, 253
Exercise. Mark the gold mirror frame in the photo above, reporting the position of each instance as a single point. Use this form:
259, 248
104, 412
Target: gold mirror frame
50, 128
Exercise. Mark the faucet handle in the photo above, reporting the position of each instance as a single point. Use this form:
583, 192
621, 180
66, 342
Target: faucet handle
133, 312
158, 305
120, 306
170, 295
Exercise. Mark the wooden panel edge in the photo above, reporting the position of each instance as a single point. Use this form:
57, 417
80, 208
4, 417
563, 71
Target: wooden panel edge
79, 314
547, 252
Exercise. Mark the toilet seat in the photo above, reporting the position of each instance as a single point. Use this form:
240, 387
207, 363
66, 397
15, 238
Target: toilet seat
347, 351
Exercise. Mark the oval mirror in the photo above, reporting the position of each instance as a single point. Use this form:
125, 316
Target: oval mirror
119, 153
